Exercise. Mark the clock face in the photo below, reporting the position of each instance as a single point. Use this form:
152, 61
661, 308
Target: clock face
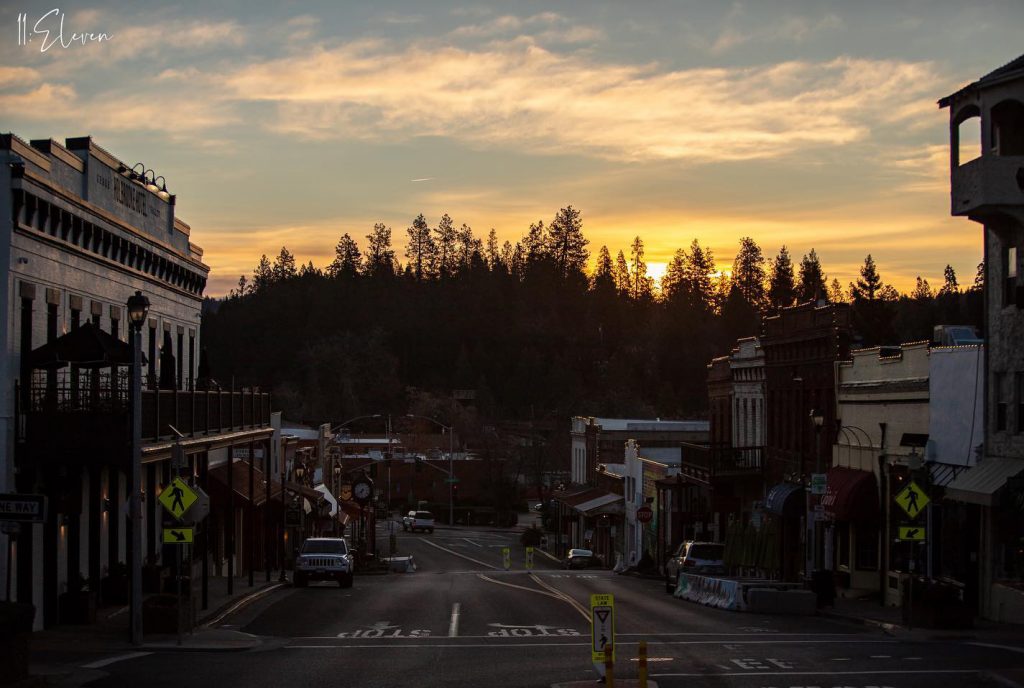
361, 490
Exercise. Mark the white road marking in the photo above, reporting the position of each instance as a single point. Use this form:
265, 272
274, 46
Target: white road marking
451, 551
472, 543
564, 596
1011, 648
450, 646
453, 627
825, 673
881, 656
110, 660
840, 659
912, 659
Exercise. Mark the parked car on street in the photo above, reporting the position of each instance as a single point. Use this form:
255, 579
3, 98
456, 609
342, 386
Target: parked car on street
418, 520
581, 559
694, 557
324, 559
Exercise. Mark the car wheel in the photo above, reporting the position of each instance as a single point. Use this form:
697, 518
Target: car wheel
299, 580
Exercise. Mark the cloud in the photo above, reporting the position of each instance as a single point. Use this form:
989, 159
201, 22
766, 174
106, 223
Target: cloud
18, 76
518, 93
785, 30
45, 98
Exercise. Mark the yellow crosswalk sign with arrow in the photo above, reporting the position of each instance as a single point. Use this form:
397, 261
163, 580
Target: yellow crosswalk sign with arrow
911, 533
912, 499
179, 536
177, 498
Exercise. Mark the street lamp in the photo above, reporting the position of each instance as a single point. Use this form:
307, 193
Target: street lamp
451, 465
818, 419
138, 309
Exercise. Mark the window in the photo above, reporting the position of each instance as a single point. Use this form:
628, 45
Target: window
1010, 270
151, 365
26, 347
181, 358
1001, 401
191, 361
867, 549
51, 322
1020, 402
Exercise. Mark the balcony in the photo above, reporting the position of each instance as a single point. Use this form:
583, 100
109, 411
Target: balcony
989, 185
70, 414
729, 461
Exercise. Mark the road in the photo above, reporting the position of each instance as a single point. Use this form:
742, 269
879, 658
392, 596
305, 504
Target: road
461, 620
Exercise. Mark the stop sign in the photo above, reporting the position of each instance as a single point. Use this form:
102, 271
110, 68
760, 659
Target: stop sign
644, 514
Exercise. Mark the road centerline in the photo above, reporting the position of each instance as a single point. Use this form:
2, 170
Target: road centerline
453, 627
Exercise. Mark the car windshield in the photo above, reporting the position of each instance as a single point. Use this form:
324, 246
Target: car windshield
713, 552
324, 547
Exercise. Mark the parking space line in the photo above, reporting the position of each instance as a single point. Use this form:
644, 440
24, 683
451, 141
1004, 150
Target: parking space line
453, 627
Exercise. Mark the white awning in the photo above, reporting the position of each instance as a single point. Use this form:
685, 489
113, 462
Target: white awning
604, 500
322, 489
979, 484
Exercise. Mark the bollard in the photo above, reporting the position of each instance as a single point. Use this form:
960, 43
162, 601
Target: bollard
642, 661
609, 667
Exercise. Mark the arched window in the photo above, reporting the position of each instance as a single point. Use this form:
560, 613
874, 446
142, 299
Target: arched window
966, 133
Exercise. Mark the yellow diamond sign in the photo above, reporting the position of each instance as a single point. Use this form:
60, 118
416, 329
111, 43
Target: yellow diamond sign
177, 498
912, 499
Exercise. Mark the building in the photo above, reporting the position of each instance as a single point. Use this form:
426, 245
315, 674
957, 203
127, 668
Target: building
988, 190
83, 231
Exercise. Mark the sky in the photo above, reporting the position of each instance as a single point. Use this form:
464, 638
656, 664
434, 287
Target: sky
286, 123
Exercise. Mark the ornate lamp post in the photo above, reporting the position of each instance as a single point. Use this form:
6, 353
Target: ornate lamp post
818, 419
138, 309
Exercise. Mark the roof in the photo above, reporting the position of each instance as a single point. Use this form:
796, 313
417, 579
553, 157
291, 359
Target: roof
597, 503
652, 425
979, 484
1008, 71
240, 480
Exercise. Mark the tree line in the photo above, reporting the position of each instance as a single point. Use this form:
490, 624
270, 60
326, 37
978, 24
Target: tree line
530, 326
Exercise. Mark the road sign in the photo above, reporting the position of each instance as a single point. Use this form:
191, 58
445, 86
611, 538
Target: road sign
529, 557
911, 533
644, 514
819, 482
23, 507
201, 509
602, 626
451, 480
506, 558
179, 536
912, 499
177, 498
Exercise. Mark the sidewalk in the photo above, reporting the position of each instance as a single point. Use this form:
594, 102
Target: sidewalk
63, 652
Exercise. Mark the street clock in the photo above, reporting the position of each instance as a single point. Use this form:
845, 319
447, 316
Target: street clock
362, 488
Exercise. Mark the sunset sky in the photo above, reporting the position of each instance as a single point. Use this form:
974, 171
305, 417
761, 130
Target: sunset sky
810, 124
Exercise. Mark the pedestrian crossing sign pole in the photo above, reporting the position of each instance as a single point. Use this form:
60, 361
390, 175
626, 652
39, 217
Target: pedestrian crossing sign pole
602, 627
529, 558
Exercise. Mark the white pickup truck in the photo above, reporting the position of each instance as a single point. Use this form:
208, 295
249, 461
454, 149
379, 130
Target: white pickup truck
418, 520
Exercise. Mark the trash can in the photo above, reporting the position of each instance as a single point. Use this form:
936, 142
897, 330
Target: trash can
823, 585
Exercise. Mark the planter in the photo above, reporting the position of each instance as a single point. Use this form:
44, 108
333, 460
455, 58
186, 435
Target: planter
77, 607
15, 631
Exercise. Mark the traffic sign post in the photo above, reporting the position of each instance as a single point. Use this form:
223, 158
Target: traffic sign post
529, 557
30, 508
506, 558
602, 627
819, 483
644, 514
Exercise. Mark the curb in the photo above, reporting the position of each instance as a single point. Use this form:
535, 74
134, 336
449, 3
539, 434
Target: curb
889, 628
237, 604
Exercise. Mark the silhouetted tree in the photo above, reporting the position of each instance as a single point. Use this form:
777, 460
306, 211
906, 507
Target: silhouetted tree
812, 278
380, 257
420, 249
348, 261
781, 286
566, 244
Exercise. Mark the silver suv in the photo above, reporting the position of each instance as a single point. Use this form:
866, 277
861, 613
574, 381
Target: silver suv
418, 520
324, 559
694, 557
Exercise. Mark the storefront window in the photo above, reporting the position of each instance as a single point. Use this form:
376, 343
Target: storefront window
867, 549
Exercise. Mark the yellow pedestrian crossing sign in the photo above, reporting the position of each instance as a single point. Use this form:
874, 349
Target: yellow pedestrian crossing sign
177, 498
912, 499
911, 533
179, 536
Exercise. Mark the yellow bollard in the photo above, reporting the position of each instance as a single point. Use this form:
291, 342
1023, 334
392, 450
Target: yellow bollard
609, 667
643, 664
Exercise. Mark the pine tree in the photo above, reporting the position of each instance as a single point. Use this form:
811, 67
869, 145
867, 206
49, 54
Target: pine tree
420, 249
641, 283
979, 278
812, 278
348, 261
534, 244
284, 266
566, 244
835, 292
748, 274
870, 283
243, 286
604, 271
672, 284
467, 246
444, 245
493, 254
263, 275
950, 286
380, 257
623, 282
781, 287
922, 290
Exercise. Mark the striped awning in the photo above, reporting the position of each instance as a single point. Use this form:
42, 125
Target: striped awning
980, 484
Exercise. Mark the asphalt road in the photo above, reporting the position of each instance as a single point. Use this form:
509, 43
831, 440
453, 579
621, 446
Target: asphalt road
461, 620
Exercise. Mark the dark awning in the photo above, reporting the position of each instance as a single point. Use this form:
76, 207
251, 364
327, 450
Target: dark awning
86, 347
785, 498
851, 495
240, 478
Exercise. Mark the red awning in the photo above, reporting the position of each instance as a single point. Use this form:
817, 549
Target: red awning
851, 495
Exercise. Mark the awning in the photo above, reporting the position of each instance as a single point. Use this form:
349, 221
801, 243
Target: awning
322, 489
979, 484
86, 346
605, 504
785, 498
851, 495
240, 478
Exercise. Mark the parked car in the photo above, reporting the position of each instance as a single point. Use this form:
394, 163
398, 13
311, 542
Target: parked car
324, 559
694, 557
418, 520
581, 559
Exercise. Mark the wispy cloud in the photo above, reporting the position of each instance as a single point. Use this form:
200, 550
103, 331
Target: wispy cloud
518, 93
794, 29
